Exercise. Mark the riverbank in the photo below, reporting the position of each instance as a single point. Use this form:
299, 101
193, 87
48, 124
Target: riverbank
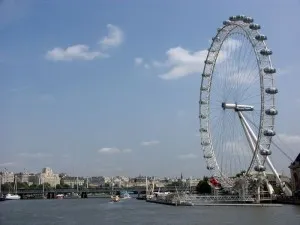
288, 200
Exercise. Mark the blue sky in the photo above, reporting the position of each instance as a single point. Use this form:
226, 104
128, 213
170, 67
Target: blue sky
104, 88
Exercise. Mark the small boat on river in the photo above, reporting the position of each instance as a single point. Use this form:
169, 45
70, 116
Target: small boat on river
115, 198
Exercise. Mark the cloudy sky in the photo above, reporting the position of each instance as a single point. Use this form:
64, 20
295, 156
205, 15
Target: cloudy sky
112, 87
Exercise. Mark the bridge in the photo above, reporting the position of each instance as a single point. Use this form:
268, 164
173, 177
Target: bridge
51, 192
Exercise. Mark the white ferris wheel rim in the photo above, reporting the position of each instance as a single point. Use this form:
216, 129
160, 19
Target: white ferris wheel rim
267, 92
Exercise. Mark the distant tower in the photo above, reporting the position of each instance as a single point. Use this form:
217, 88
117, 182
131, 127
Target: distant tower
181, 176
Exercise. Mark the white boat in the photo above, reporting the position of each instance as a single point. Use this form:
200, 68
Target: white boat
12, 197
125, 195
59, 196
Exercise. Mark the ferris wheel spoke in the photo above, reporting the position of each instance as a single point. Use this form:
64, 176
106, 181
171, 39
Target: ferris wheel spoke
249, 97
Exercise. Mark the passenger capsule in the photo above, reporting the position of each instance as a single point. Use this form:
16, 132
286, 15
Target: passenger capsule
269, 133
261, 37
206, 75
203, 130
205, 143
208, 62
203, 116
248, 20
204, 88
260, 168
217, 39
226, 22
269, 70
266, 52
208, 156
210, 167
233, 18
265, 152
271, 90
271, 112
240, 17
254, 26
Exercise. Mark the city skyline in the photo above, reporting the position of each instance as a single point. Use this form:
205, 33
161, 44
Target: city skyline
112, 88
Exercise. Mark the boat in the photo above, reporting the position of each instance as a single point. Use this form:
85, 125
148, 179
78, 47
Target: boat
12, 197
59, 196
115, 198
125, 195
72, 195
168, 198
15, 196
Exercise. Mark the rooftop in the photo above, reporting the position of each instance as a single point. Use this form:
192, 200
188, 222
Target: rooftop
296, 163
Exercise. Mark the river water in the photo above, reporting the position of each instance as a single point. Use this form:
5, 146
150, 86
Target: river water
135, 212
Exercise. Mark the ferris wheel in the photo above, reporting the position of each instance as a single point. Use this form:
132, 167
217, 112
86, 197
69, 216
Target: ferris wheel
237, 103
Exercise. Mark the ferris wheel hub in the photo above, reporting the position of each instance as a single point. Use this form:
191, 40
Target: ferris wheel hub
237, 107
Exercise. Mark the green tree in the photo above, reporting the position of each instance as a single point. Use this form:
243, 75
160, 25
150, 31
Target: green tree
66, 186
22, 185
46, 186
203, 187
33, 186
7, 187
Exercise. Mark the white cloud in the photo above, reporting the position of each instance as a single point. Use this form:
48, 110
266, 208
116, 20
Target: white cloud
147, 143
182, 62
113, 150
138, 61
35, 155
7, 164
187, 156
75, 52
109, 150
114, 38
83, 52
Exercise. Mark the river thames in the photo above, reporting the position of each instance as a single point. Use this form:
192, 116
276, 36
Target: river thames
135, 212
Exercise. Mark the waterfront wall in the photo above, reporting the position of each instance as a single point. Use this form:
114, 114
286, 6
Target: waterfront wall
288, 200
